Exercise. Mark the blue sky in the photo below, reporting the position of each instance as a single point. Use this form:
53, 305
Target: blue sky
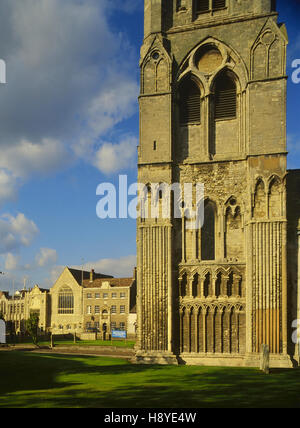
68, 122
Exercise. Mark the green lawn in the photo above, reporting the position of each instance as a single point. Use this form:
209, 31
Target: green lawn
70, 342
44, 380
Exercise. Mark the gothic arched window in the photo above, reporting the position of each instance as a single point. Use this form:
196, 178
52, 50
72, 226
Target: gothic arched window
208, 233
189, 102
225, 97
65, 301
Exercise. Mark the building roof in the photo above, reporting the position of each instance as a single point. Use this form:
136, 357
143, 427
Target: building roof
133, 310
113, 282
78, 274
4, 293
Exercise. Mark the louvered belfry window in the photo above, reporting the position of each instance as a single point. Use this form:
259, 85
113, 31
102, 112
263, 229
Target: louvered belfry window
189, 102
202, 6
219, 4
225, 97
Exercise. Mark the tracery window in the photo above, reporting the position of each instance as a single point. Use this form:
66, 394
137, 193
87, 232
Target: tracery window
65, 301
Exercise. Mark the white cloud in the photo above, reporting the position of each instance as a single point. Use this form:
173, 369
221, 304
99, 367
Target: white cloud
122, 267
46, 257
8, 186
28, 158
111, 158
16, 232
70, 80
11, 262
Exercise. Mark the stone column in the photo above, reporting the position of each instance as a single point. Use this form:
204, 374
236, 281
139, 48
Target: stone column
223, 288
183, 237
297, 345
214, 280
235, 285
196, 315
204, 314
190, 286
284, 288
170, 291
181, 329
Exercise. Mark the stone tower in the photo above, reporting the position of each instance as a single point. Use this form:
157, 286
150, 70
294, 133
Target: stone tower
213, 111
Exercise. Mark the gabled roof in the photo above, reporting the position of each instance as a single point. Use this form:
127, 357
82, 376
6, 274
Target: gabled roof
78, 274
4, 294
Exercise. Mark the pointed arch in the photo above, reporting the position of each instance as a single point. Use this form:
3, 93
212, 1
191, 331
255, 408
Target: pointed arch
208, 231
259, 209
189, 101
234, 234
225, 95
274, 197
231, 60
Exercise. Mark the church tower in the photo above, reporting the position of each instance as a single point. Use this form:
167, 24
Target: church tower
213, 111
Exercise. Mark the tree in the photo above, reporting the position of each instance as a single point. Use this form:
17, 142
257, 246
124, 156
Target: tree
32, 327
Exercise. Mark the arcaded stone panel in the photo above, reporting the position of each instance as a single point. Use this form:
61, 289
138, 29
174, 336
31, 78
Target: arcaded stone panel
267, 241
212, 329
154, 288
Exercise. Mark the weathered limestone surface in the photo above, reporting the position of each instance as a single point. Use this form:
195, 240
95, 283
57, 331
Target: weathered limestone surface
214, 295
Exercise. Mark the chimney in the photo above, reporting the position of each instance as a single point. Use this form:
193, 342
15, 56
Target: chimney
92, 275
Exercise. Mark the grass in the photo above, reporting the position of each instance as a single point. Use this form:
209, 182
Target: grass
51, 381
69, 342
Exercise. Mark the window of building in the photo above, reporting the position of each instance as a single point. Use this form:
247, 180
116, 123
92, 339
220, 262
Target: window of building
97, 310
114, 295
97, 296
105, 295
208, 233
218, 4
97, 325
225, 97
189, 102
89, 296
122, 295
89, 310
65, 301
201, 6
122, 326
122, 309
113, 326
113, 309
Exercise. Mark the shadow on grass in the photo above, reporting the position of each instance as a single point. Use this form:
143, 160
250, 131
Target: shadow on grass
38, 380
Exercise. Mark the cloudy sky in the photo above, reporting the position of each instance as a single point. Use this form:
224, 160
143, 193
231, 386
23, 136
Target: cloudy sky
68, 122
